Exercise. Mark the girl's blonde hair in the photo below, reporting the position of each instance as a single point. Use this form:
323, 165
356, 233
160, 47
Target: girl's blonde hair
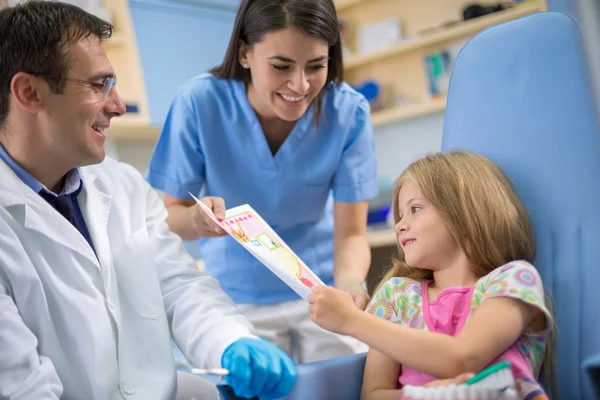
480, 208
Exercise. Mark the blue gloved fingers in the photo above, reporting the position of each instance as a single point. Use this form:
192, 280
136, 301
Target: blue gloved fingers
282, 384
258, 368
282, 373
274, 373
275, 355
261, 369
237, 360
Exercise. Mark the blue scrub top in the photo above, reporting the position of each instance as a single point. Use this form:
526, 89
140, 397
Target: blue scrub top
212, 144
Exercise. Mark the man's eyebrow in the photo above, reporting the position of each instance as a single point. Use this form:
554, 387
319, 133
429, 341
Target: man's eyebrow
103, 75
287, 59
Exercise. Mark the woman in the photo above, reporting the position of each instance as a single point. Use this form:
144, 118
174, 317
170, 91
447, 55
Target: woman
274, 126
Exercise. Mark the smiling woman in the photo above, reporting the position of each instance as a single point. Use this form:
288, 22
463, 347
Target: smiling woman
275, 126
271, 19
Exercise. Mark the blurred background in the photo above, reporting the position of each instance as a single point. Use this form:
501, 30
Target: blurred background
398, 53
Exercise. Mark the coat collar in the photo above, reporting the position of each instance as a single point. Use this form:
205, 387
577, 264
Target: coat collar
39, 216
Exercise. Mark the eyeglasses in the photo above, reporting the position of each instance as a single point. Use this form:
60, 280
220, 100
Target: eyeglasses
100, 88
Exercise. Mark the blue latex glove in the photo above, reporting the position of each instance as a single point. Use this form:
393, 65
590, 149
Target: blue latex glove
258, 368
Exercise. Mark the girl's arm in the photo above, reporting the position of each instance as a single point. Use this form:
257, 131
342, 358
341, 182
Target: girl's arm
352, 254
380, 380
492, 329
494, 326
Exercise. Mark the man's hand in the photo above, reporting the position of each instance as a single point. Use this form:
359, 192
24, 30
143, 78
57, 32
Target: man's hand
258, 368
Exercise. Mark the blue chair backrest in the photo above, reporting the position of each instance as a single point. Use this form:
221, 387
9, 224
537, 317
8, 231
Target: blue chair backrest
519, 94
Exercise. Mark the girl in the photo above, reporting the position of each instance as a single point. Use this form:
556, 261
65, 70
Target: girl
276, 127
462, 294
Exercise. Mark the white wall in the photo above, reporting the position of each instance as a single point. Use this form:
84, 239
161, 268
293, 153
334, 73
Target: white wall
135, 153
399, 144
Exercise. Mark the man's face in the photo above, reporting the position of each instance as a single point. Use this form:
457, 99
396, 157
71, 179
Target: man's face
76, 119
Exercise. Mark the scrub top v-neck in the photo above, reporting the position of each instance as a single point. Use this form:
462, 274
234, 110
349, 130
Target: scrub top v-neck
285, 153
212, 143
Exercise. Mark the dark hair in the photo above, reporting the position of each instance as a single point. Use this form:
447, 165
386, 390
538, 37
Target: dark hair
255, 18
35, 37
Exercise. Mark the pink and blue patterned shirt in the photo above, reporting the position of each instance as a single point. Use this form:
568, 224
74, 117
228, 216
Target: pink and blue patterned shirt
405, 301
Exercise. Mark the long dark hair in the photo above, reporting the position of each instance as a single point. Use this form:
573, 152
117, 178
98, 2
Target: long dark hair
255, 18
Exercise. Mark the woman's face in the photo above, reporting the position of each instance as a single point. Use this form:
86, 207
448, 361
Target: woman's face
289, 69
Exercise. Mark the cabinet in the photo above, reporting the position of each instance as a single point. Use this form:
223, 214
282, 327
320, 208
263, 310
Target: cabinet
428, 26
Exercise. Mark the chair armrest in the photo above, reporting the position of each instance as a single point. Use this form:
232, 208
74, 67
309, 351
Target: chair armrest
336, 378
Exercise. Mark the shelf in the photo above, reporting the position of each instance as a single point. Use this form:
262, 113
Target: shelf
391, 115
129, 128
344, 4
381, 237
123, 53
442, 35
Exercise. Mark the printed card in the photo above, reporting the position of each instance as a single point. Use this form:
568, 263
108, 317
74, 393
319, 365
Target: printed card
246, 226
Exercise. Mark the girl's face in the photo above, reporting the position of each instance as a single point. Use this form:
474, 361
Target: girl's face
289, 69
422, 233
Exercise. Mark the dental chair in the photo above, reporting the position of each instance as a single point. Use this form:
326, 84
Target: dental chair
519, 94
337, 378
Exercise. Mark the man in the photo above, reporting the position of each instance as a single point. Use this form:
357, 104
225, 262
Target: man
92, 283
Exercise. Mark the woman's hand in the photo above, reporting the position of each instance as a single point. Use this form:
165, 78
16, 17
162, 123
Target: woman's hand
332, 309
460, 379
205, 226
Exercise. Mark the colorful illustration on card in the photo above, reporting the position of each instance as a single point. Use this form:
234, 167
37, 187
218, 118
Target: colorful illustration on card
251, 231
247, 227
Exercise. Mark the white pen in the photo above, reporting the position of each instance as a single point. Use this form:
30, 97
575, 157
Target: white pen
210, 371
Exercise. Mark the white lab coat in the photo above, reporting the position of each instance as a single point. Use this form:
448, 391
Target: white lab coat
73, 327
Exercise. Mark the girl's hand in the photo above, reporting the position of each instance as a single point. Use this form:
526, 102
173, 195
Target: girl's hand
332, 309
358, 293
462, 378
205, 226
